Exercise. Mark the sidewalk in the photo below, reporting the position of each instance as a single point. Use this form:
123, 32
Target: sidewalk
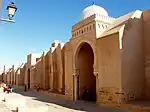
42, 102
37, 99
3, 107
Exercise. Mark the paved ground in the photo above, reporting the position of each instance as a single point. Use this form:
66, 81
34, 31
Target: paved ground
3, 108
54, 104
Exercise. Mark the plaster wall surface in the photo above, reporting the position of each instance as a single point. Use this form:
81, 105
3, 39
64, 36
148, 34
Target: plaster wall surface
68, 71
55, 59
22, 77
31, 61
146, 37
28, 66
33, 78
132, 60
39, 77
47, 70
59, 68
109, 72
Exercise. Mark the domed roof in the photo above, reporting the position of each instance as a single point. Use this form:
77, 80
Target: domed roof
91, 10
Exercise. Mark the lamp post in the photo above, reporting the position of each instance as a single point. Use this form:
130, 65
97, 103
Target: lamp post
11, 8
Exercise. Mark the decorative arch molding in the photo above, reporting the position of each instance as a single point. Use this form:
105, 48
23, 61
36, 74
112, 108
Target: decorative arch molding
76, 51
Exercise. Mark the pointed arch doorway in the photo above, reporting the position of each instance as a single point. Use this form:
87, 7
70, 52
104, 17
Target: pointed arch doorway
84, 80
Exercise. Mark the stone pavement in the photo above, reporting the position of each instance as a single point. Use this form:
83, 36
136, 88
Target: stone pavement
41, 102
3, 107
54, 104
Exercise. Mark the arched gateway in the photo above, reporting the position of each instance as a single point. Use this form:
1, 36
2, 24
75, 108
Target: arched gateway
84, 81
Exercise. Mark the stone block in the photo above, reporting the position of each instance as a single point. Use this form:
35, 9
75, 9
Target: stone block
109, 96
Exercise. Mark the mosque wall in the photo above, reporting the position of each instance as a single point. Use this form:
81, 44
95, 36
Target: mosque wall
60, 67
31, 61
20, 77
9, 77
12, 75
39, 76
47, 70
17, 72
132, 65
28, 66
33, 77
43, 75
120, 72
63, 68
56, 65
68, 57
50, 63
146, 36
5, 77
109, 72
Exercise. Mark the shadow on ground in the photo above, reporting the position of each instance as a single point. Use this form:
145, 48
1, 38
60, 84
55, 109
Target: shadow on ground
75, 105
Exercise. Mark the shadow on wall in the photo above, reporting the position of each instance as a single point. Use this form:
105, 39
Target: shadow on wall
78, 105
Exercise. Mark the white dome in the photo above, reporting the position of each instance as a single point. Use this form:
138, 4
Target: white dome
91, 10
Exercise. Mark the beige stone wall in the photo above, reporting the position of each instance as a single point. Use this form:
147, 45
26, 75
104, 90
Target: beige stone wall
9, 77
31, 61
132, 60
68, 71
55, 71
109, 72
33, 77
39, 77
146, 37
28, 66
15, 76
63, 69
16, 73
44, 80
58, 68
20, 77
50, 70
47, 70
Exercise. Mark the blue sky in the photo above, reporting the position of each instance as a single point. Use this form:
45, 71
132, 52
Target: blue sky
39, 22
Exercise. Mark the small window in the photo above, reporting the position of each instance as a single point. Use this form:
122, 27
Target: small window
90, 27
77, 33
87, 28
93, 25
99, 26
102, 26
82, 31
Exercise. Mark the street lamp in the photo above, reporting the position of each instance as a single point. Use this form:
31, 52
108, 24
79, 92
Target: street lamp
11, 8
